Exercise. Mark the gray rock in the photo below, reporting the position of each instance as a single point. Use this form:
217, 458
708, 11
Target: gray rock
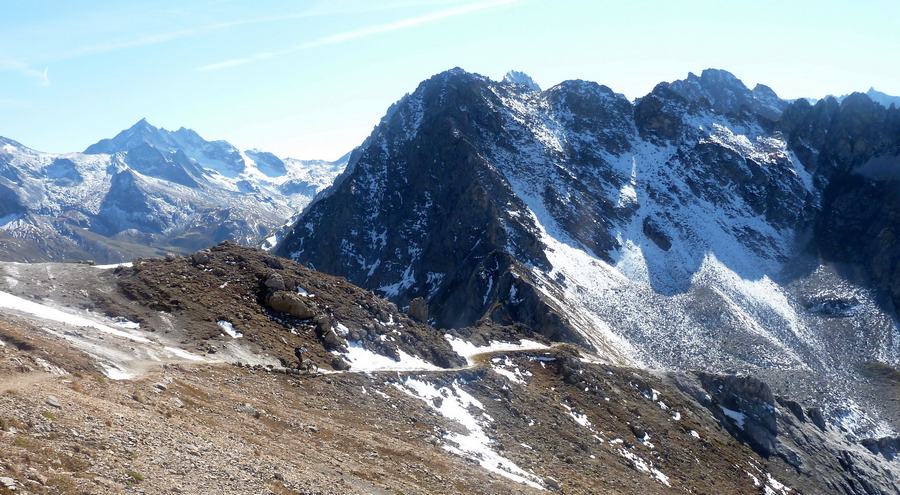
418, 310
889, 447
275, 281
8, 483
751, 397
248, 409
290, 303
552, 484
338, 363
818, 419
333, 341
52, 401
200, 258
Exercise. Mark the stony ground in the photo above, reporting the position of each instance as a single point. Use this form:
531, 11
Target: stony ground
228, 429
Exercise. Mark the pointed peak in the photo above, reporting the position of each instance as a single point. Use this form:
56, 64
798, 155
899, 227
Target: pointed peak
143, 125
522, 79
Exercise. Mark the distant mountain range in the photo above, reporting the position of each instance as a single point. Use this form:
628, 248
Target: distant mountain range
883, 99
147, 191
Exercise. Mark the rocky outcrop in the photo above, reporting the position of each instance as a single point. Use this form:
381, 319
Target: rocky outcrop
800, 436
746, 407
888, 447
854, 146
290, 303
277, 305
418, 309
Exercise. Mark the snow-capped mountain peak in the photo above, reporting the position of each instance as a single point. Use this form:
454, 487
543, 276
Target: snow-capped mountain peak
521, 79
144, 189
725, 93
650, 231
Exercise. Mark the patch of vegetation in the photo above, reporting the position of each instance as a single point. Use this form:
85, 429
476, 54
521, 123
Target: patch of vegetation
134, 477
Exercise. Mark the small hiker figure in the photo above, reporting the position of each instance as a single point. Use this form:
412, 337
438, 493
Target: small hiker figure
298, 351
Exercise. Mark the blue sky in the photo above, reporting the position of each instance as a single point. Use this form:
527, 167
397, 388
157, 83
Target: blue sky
310, 78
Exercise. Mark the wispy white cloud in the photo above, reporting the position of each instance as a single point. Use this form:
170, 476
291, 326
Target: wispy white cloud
361, 33
41, 76
164, 37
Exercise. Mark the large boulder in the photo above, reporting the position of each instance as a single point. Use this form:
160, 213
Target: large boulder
418, 310
290, 303
746, 407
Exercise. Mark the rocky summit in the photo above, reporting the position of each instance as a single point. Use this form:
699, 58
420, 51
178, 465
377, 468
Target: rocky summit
503, 289
705, 225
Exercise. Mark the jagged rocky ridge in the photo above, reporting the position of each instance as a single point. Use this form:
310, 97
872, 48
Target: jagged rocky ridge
147, 191
705, 225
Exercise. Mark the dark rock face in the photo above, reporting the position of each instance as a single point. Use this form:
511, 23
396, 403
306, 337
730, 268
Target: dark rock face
10, 202
658, 115
853, 145
398, 188
746, 408
780, 429
63, 172
656, 234
888, 447
127, 206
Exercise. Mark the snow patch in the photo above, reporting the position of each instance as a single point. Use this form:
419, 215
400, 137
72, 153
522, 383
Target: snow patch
738, 417
362, 359
228, 328
9, 301
468, 350
114, 265
458, 405
645, 466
